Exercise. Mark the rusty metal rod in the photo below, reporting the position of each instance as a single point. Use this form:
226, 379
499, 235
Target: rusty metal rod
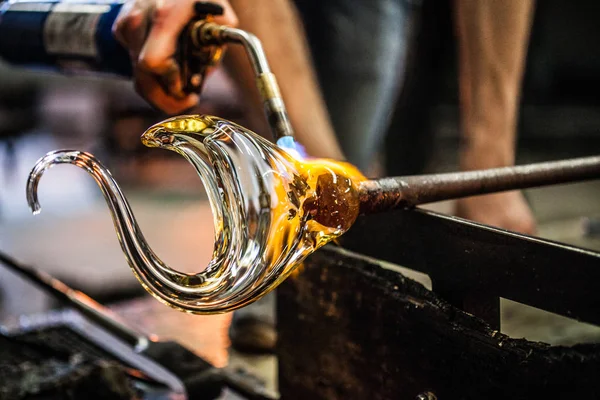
404, 192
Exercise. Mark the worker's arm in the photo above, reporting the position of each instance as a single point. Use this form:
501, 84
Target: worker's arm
276, 24
150, 29
492, 44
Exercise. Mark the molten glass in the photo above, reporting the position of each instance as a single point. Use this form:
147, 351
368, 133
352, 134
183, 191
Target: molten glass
270, 211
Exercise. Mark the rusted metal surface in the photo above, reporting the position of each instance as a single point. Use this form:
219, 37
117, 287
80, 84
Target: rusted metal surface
390, 193
471, 265
32, 370
54, 363
349, 329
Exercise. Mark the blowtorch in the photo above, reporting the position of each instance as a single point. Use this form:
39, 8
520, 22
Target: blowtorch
76, 37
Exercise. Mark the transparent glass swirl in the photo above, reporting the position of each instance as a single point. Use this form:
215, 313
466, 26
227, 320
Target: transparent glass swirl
270, 211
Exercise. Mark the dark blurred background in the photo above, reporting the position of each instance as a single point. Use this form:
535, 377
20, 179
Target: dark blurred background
559, 114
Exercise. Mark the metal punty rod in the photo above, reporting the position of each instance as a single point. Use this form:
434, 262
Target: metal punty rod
404, 192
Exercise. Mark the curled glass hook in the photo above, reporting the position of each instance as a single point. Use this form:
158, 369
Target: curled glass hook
270, 211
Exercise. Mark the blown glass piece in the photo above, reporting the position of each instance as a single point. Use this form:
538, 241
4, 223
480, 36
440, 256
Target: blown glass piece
270, 210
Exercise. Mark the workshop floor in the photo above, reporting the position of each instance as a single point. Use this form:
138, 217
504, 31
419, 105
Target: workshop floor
73, 239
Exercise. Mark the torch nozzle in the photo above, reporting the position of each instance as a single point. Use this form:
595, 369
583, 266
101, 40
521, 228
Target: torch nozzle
205, 33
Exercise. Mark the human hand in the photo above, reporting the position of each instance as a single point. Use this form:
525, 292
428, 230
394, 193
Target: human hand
507, 210
150, 30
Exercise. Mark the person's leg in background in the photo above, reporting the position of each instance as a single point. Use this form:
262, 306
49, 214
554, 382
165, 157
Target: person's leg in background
409, 140
492, 45
359, 49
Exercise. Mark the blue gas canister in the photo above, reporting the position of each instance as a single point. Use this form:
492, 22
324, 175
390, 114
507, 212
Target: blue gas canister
67, 35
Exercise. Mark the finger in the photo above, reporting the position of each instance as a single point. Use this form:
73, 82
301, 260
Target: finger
149, 87
171, 81
131, 29
119, 24
168, 20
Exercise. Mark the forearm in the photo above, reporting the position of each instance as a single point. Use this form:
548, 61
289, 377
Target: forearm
276, 24
492, 39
